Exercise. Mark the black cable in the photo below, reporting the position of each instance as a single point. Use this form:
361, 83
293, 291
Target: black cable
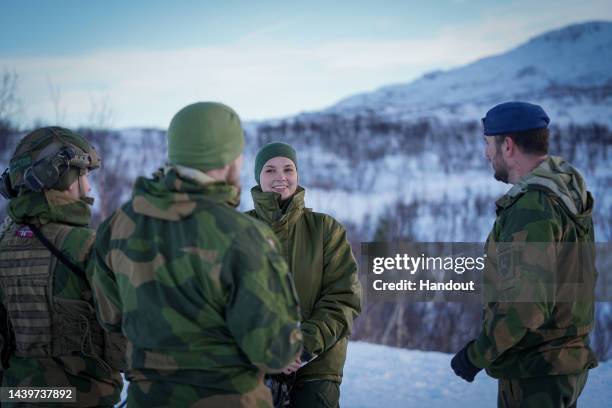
60, 256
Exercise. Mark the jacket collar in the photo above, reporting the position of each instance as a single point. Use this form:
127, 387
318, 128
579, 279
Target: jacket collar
49, 206
175, 192
268, 208
557, 176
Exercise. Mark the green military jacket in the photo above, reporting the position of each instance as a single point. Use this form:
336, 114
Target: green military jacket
546, 216
57, 341
325, 275
199, 290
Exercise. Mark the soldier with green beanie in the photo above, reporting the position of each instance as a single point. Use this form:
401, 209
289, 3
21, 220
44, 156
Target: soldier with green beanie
200, 290
49, 335
320, 259
205, 136
538, 348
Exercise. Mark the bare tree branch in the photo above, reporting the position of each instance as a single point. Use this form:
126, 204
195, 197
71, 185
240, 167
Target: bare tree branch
56, 99
9, 103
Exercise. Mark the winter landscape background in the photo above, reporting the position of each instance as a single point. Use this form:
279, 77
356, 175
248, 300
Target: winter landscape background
406, 162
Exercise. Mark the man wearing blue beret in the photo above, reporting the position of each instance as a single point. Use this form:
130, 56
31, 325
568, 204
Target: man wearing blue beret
534, 337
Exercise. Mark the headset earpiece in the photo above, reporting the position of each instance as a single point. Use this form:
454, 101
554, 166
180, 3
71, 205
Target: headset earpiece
43, 174
31, 181
6, 189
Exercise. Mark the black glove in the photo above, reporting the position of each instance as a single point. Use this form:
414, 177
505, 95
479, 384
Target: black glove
463, 367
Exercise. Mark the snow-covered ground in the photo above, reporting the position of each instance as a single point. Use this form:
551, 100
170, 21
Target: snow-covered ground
380, 376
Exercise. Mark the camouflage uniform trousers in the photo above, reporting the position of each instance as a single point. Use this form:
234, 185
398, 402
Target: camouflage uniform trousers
156, 393
62, 371
555, 391
315, 394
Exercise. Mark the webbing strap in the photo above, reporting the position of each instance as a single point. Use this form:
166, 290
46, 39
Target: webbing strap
61, 257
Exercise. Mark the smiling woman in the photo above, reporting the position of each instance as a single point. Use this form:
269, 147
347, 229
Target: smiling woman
324, 272
280, 176
275, 170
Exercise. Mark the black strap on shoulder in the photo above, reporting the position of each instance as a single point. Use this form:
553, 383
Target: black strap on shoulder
7, 333
61, 257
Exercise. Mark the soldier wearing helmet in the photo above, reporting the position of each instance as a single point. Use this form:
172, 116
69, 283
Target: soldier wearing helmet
49, 334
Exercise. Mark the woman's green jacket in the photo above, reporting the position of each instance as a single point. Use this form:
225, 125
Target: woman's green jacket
324, 270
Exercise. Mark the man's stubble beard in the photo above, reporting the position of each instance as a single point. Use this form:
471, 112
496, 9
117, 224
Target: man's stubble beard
500, 167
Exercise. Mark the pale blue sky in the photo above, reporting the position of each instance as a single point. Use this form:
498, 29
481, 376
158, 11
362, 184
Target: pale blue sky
146, 59
69, 27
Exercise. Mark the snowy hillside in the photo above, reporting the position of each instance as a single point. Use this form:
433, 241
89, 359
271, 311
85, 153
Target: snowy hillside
568, 71
380, 376
367, 166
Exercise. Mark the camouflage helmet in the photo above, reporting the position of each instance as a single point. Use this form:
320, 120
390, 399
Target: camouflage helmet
49, 158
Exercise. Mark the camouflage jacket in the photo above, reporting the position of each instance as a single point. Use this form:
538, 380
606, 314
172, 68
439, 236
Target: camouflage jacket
540, 223
62, 344
199, 290
325, 275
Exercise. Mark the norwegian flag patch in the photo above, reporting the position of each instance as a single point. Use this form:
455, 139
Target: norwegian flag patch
24, 232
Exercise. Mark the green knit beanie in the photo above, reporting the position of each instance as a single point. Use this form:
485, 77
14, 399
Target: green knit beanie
205, 136
271, 150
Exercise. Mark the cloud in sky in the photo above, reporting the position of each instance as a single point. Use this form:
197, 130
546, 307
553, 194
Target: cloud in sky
262, 76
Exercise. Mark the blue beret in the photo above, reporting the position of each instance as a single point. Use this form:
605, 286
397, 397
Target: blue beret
512, 117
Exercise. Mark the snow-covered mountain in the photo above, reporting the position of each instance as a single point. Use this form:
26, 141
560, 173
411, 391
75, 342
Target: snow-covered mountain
568, 71
406, 162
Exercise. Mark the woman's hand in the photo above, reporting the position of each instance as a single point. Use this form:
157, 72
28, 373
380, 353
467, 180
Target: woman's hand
293, 366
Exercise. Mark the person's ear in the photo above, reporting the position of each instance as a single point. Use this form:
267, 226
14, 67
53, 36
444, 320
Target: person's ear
74, 186
508, 147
